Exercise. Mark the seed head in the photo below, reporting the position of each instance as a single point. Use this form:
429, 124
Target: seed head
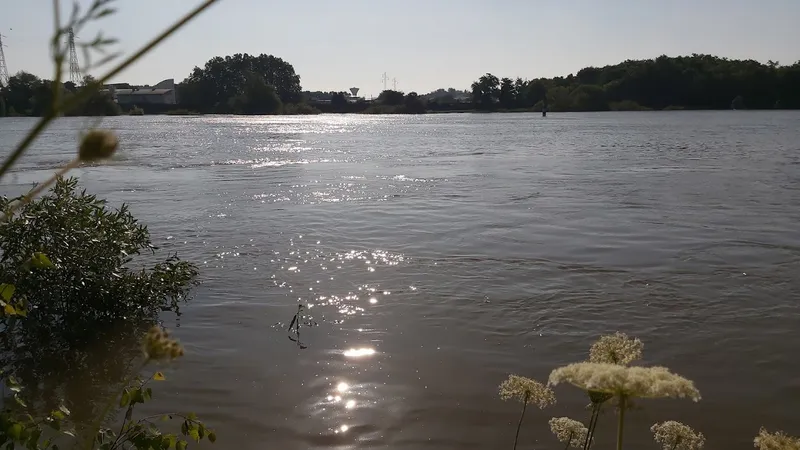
527, 390
97, 144
675, 435
159, 346
641, 382
616, 348
775, 441
568, 430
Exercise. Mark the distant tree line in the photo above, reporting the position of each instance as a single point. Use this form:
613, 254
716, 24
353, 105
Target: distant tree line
28, 95
265, 84
690, 82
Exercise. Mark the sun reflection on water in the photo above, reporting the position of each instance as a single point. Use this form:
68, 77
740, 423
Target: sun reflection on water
359, 352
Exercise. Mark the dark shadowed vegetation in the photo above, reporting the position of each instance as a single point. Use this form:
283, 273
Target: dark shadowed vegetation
684, 82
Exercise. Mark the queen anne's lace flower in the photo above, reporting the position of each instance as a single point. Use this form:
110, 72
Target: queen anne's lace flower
674, 435
568, 431
775, 441
616, 348
623, 381
527, 390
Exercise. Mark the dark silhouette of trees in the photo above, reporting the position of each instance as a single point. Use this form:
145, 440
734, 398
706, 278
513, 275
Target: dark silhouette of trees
257, 97
414, 104
690, 82
339, 101
486, 92
391, 98
28, 95
223, 83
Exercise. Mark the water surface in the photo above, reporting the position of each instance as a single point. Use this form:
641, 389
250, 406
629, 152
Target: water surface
439, 253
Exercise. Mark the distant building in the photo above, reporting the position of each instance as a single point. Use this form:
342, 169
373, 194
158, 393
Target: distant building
162, 94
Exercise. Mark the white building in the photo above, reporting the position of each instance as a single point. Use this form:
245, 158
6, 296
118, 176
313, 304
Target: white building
163, 93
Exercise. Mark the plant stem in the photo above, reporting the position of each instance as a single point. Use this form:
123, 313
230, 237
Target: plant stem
95, 428
521, 416
592, 424
677, 441
621, 424
569, 441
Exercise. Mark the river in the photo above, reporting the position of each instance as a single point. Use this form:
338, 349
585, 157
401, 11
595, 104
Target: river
439, 253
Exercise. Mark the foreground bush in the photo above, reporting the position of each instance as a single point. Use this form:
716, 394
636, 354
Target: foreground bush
89, 281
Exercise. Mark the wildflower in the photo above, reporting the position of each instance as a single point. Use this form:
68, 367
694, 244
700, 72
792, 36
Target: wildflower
642, 382
527, 391
775, 441
568, 431
159, 346
674, 435
97, 144
616, 348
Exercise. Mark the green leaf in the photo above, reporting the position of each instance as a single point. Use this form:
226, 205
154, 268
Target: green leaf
148, 394
194, 434
41, 261
212, 437
181, 445
58, 415
9, 310
126, 398
191, 416
185, 428
15, 431
158, 376
137, 396
7, 291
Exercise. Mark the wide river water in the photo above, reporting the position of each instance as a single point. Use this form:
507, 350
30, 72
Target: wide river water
439, 253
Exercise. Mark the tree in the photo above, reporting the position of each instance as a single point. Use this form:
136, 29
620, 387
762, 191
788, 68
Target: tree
414, 104
486, 91
214, 87
696, 82
26, 94
339, 101
391, 98
508, 93
257, 97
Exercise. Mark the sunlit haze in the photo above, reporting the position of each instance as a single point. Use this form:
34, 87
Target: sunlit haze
424, 45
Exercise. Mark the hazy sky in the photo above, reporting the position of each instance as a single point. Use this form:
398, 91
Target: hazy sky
424, 44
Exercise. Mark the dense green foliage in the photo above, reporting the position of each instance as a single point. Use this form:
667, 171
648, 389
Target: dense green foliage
241, 84
91, 283
396, 102
690, 82
28, 95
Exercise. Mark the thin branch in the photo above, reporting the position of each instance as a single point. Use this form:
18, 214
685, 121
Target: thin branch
74, 100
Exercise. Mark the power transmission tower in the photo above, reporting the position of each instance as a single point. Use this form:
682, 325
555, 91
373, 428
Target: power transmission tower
74, 68
384, 78
3, 68
394, 83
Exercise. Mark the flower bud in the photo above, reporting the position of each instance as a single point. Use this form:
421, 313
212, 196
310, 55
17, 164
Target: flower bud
97, 144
